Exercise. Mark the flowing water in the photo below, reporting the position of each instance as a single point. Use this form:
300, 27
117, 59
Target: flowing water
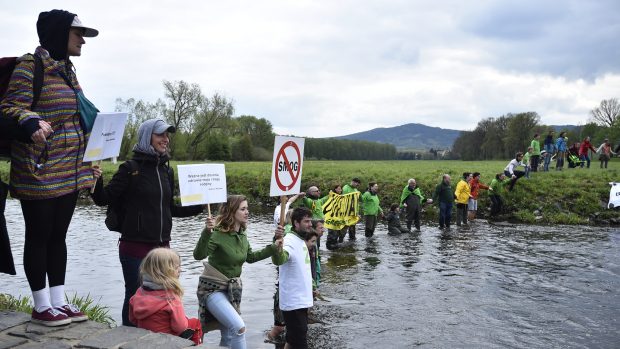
485, 286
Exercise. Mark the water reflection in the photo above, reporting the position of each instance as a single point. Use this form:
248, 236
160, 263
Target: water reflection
499, 285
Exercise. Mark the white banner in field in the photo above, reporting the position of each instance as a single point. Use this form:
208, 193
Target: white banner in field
288, 154
201, 184
106, 137
614, 195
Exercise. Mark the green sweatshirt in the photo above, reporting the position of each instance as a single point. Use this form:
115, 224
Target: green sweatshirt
443, 193
281, 258
370, 204
535, 147
347, 189
228, 251
498, 185
406, 192
315, 205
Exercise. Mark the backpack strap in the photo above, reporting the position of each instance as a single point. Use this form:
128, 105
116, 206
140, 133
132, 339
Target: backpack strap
37, 80
170, 178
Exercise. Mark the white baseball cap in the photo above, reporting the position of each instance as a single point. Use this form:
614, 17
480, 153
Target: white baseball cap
88, 32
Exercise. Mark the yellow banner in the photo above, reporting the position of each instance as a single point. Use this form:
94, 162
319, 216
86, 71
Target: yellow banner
341, 210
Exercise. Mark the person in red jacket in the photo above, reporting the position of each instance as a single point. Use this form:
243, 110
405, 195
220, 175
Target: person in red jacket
157, 304
475, 185
583, 151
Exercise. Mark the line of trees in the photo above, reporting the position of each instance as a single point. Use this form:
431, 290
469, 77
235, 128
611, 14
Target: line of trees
208, 130
502, 137
346, 149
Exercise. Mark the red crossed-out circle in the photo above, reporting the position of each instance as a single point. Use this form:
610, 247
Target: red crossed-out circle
282, 154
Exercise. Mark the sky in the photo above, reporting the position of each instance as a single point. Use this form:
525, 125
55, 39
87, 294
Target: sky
330, 68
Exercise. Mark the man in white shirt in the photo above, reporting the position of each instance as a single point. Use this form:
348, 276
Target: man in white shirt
296, 279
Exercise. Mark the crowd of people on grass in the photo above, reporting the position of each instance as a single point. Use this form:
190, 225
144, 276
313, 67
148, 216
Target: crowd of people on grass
47, 173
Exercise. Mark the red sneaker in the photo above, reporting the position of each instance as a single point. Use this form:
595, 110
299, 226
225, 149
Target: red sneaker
50, 317
73, 312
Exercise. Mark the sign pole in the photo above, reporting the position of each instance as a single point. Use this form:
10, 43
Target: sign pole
209, 210
283, 201
98, 165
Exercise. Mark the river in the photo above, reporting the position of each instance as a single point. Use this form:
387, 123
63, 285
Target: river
485, 286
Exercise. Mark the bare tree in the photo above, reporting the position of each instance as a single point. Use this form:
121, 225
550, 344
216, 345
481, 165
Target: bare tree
184, 102
608, 113
212, 114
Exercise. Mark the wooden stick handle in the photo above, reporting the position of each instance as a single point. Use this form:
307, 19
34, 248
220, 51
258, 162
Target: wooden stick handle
92, 189
283, 201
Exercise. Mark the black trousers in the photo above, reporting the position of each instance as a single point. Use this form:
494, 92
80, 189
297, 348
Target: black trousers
534, 161
296, 328
496, 204
45, 250
413, 216
461, 214
518, 174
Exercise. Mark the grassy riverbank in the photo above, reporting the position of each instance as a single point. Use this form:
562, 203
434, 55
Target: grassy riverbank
572, 196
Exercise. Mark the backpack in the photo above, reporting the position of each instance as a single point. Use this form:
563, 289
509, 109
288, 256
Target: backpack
115, 213
9, 128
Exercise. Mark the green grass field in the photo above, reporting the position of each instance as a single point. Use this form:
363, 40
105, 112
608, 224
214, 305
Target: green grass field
569, 196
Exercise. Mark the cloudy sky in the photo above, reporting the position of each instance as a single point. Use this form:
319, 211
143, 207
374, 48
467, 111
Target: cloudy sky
329, 68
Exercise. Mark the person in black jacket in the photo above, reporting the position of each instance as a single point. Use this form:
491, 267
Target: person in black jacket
146, 197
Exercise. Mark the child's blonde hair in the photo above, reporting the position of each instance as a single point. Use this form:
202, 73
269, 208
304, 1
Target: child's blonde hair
161, 265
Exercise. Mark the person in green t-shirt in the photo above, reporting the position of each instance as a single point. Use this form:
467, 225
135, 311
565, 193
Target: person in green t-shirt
371, 209
535, 157
527, 162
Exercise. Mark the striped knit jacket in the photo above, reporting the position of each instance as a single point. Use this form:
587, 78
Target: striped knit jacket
54, 168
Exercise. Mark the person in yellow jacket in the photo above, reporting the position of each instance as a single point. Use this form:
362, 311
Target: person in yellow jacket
462, 194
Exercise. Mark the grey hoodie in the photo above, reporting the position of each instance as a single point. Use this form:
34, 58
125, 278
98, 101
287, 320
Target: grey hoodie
145, 131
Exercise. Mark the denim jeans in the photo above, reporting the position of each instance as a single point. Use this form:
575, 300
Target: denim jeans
584, 158
445, 212
230, 321
131, 274
547, 161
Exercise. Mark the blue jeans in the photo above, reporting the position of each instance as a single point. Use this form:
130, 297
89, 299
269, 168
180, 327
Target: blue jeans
547, 162
230, 321
584, 158
445, 212
131, 274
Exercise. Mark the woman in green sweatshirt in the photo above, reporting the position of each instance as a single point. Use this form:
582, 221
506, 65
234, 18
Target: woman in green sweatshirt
225, 242
371, 208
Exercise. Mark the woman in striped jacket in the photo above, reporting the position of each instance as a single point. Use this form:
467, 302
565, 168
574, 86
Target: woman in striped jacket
47, 174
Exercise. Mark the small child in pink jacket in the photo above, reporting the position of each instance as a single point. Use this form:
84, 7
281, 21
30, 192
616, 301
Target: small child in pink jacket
157, 304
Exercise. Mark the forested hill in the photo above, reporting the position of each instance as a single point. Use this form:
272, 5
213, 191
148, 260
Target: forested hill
409, 136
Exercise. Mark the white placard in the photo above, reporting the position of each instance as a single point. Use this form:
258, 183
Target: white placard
288, 155
106, 137
614, 195
201, 184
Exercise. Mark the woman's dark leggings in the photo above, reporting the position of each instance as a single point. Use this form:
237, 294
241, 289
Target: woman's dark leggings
45, 250
131, 274
496, 204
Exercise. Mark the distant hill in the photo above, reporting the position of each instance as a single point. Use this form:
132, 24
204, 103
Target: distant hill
418, 136
409, 136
